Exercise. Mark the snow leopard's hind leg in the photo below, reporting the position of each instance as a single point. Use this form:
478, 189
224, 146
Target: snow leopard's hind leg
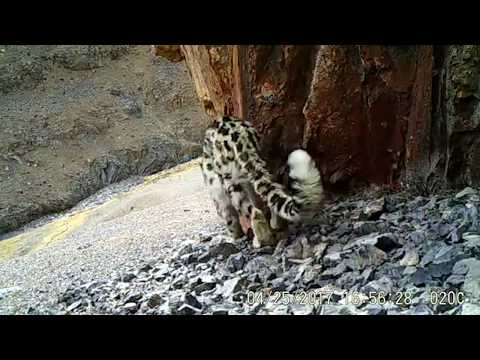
214, 183
221, 199
243, 199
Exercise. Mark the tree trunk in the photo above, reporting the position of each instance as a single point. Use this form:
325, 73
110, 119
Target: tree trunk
368, 114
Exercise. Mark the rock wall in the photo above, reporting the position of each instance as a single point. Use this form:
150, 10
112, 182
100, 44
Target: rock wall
368, 114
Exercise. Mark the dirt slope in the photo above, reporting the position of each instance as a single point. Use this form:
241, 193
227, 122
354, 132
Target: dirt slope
77, 118
145, 222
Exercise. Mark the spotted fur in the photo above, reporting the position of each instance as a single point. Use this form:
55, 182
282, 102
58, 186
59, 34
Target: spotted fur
235, 173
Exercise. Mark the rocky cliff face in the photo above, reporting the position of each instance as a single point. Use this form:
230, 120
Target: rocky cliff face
77, 118
390, 115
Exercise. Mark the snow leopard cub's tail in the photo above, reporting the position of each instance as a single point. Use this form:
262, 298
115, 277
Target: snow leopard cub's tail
306, 191
305, 183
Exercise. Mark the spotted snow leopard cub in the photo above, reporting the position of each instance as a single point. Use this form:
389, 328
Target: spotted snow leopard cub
241, 185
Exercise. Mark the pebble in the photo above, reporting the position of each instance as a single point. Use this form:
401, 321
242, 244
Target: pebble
398, 250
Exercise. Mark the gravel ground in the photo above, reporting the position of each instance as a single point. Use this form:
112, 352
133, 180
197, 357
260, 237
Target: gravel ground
145, 224
393, 254
160, 249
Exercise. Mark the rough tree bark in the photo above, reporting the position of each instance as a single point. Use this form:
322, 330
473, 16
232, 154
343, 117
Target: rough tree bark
368, 114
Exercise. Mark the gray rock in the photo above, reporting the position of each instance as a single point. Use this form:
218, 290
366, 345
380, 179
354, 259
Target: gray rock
465, 193
291, 288
271, 308
10, 290
230, 287
420, 278
418, 202
383, 285
373, 210
74, 305
307, 249
411, 258
385, 242
179, 282
202, 287
395, 310
456, 235
235, 262
219, 310
263, 267
131, 307
462, 266
420, 257
455, 280
471, 285
374, 309
432, 204
421, 309
191, 300
294, 250
146, 267
443, 229
224, 249
311, 273
319, 250
174, 301
188, 258
159, 271
472, 242
366, 275
334, 272
366, 227
445, 254
417, 237
342, 229
409, 270
132, 108
440, 270
186, 309
370, 239
128, 277
135, 297
348, 280
278, 284
300, 309
186, 248
470, 309
155, 300
340, 310
429, 256
364, 257
332, 259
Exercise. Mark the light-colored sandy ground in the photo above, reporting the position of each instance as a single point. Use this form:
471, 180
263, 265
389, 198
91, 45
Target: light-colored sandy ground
141, 224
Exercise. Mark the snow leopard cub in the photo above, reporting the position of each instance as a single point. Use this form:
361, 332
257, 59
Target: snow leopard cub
241, 186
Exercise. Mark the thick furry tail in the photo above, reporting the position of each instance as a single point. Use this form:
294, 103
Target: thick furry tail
305, 182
